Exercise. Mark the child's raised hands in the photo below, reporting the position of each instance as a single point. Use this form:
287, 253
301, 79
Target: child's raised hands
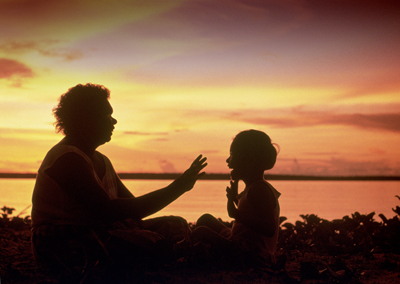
231, 194
232, 191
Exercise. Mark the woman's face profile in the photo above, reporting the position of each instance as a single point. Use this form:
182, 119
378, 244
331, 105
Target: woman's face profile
103, 123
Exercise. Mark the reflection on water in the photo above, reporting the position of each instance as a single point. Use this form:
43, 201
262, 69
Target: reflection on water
328, 199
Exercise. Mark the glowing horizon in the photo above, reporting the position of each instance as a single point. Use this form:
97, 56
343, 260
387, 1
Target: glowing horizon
320, 78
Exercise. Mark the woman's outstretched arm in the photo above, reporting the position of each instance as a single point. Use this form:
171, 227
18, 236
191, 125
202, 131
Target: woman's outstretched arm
75, 177
155, 201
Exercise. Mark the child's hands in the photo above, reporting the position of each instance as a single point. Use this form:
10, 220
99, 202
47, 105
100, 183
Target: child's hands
232, 191
231, 194
231, 208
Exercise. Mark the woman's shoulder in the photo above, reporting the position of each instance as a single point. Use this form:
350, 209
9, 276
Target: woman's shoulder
60, 148
62, 151
101, 155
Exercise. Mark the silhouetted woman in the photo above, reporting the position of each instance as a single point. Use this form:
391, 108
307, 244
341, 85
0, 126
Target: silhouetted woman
81, 211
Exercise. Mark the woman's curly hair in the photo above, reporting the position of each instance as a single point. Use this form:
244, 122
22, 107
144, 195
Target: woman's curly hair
79, 104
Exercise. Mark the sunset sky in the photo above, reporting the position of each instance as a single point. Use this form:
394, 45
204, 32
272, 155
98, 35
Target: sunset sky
322, 78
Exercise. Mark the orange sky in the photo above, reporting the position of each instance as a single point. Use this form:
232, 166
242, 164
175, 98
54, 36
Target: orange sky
322, 78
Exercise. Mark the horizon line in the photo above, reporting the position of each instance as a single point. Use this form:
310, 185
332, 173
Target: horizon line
225, 176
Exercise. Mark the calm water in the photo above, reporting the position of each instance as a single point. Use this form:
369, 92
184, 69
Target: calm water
328, 199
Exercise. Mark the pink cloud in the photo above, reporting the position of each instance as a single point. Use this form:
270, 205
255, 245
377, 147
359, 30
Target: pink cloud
300, 118
337, 167
145, 133
11, 68
167, 167
383, 121
375, 84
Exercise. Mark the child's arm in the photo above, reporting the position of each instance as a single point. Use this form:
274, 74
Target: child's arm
231, 208
263, 202
232, 191
231, 194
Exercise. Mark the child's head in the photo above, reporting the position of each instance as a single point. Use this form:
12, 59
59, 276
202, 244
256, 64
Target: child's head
255, 147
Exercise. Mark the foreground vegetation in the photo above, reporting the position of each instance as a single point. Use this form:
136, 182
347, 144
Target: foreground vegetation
355, 249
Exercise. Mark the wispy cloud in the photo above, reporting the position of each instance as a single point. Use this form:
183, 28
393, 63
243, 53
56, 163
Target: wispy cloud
139, 133
45, 48
337, 166
14, 71
374, 84
302, 118
321, 153
210, 151
167, 166
345, 167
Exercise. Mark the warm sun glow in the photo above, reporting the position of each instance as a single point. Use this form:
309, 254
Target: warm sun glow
186, 76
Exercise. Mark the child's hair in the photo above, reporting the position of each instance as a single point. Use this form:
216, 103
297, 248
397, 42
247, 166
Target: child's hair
257, 146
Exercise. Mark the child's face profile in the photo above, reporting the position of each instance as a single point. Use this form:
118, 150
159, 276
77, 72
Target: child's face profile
236, 163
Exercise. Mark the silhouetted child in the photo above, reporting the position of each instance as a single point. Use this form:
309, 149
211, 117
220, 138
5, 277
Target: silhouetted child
256, 209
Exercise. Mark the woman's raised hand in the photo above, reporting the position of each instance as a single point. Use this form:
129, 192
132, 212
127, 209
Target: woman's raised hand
187, 180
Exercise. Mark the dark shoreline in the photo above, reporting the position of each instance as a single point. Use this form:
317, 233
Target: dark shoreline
355, 249
219, 176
